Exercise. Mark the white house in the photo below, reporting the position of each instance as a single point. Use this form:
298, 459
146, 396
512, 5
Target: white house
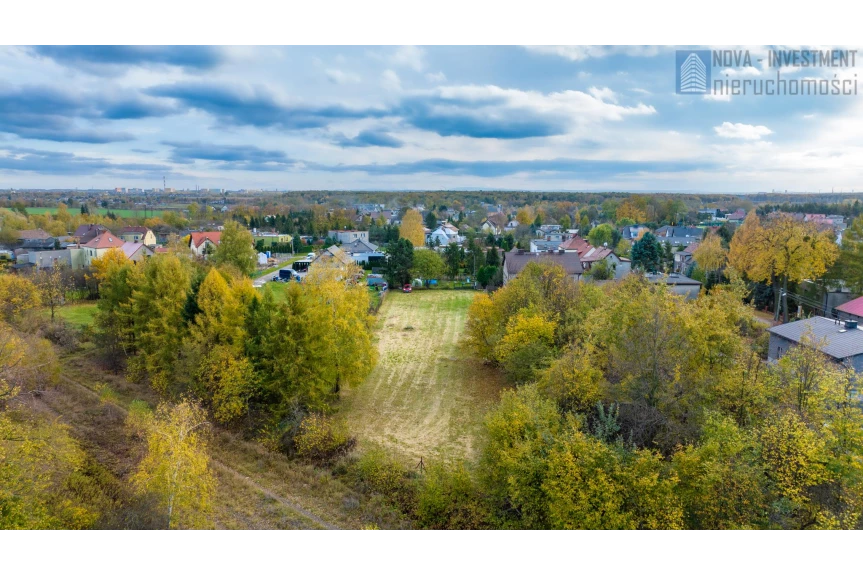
348, 236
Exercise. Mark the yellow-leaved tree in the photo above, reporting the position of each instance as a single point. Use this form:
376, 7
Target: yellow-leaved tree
710, 255
176, 469
780, 249
412, 228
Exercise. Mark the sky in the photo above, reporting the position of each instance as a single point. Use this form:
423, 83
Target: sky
397, 118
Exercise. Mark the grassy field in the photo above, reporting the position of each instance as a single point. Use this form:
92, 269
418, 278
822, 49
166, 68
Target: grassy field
427, 396
121, 213
80, 314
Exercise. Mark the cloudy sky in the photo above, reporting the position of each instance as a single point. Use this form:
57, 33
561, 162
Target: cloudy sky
546, 118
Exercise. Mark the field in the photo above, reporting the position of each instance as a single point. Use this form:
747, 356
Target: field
427, 396
79, 315
121, 213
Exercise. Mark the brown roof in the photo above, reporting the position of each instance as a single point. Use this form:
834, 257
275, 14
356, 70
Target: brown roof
37, 234
87, 231
576, 243
690, 249
515, 261
134, 230
595, 254
105, 240
198, 238
497, 218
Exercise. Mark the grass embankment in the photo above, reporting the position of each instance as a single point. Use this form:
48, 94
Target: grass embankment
256, 489
427, 395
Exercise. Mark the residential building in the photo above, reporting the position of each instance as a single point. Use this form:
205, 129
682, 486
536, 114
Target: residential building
632, 233
99, 246
203, 242
347, 236
37, 234
136, 252
138, 234
515, 260
444, 235
683, 260
679, 232
362, 251
679, 284
589, 258
852, 310
575, 244
73, 258
544, 245
736, 217
840, 340
87, 232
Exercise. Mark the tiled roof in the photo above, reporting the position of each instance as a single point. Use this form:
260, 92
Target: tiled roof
359, 246
576, 243
854, 307
198, 238
596, 254
37, 234
570, 261
134, 230
104, 241
838, 341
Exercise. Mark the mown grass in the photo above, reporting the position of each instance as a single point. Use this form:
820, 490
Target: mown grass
427, 395
78, 315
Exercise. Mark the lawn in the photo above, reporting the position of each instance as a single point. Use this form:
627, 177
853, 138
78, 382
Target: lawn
121, 213
427, 396
79, 314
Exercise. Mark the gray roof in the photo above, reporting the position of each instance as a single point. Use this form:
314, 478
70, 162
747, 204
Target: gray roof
570, 261
359, 246
838, 341
679, 232
672, 279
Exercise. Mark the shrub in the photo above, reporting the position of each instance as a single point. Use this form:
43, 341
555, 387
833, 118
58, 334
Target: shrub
381, 473
322, 439
450, 498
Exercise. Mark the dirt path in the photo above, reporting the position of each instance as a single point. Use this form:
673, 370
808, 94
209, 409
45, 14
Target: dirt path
426, 396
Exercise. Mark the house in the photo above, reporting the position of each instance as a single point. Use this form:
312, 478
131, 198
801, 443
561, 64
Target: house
362, 251
332, 255
347, 236
575, 244
544, 245
736, 217
99, 246
36, 244
87, 232
202, 243
679, 232
135, 252
73, 258
444, 235
683, 260
840, 340
621, 266
494, 223
37, 234
138, 234
679, 284
515, 260
511, 226
271, 238
852, 310
632, 233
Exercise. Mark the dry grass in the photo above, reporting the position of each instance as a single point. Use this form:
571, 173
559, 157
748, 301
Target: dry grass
427, 396
256, 489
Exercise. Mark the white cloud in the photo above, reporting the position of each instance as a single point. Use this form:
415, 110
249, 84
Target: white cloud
641, 91
409, 57
340, 77
578, 53
809, 116
742, 131
717, 97
747, 71
604, 94
391, 81
436, 77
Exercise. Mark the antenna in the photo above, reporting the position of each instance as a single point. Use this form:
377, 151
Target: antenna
164, 187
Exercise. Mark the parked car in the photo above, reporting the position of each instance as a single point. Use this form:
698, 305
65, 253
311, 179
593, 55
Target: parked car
407, 288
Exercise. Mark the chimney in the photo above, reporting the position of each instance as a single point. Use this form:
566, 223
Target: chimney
850, 324
520, 252
561, 251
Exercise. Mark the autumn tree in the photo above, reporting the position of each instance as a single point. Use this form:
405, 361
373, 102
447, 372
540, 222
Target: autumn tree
600, 235
53, 283
18, 295
236, 248
412, 229
175, 469
427, 265
710, 255
849, 265
779, 250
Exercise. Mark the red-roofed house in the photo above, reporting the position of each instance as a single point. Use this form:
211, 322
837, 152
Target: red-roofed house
136, 252
852, 310
99, 246
198, 242
593, 255
87, 232
575, 244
